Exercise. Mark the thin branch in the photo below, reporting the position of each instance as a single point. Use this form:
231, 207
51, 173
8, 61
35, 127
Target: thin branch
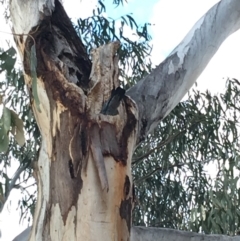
15, 177
161, 144
167, 168
158, 169
167, 141
17, 186
12, 184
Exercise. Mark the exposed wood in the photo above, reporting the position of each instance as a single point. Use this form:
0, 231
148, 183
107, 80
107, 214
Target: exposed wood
90, 129
84, 167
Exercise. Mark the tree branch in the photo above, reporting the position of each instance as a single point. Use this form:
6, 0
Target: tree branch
159, 92
12, 184
142, 179
137, 160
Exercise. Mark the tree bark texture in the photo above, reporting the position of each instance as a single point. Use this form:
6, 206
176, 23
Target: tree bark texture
159, 92
84, 166
89, 127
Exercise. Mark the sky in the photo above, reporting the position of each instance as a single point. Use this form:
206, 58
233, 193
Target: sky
171, 20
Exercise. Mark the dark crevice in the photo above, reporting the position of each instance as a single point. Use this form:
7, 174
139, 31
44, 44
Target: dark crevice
63, 23
56, 38
84, 141
127, 186
125, 211
71, 169
71, 71
127, 130
142, 130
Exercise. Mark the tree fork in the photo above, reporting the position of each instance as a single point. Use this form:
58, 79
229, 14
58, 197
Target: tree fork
68, 111
84, 166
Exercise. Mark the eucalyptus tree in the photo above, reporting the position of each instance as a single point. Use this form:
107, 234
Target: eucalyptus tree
90, 126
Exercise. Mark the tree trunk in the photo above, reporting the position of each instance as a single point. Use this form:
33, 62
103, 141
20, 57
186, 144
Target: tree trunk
89, 128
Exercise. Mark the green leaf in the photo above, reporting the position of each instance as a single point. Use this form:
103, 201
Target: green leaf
17, 128
11, 52
33, 68
132, 21
4, 139
6, 119
8, 60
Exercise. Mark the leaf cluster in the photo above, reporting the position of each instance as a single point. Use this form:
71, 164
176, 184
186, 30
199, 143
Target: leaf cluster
17, 144
135, 46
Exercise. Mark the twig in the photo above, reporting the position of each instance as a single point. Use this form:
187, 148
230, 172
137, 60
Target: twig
157, 169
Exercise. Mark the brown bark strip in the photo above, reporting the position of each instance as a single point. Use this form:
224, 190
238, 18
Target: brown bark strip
109, 142
86, 151
75, 151
64, 188
96, 151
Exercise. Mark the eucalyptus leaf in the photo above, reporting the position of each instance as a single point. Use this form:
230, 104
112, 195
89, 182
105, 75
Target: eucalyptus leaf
33, 68
8, 60
6, 119
4, 139
17, 129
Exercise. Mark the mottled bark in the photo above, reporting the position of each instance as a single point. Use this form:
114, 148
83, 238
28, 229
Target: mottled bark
88, 131
89, 127
159, 92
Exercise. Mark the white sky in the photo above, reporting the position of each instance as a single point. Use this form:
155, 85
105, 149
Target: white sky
172, 19
171, 26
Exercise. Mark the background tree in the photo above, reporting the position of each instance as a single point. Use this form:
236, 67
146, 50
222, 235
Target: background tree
14, 99
173, 182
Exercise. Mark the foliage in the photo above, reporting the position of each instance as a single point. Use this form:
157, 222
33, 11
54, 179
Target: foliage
9, 120
115, 2
13, 146
135, 46
174, 168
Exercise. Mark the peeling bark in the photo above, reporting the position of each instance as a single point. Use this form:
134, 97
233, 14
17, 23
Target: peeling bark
86, 152
89, 126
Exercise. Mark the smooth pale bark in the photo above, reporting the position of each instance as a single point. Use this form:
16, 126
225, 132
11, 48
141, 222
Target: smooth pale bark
84, 169
158, 93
